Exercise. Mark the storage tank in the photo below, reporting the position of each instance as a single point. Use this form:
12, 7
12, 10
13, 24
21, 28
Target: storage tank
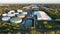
21, 15
10, 12
11, 15
5, 18
4, 14
16, 13
24, 13
19, 10
16, 20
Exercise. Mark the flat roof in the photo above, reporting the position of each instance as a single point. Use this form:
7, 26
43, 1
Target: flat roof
41, 15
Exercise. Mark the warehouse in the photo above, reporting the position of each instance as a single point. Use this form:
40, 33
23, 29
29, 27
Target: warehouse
16, 20
41, 15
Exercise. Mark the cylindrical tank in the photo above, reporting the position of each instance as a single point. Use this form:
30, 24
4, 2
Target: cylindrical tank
11, 15
5, 18
4, 14
21, 15
16, 20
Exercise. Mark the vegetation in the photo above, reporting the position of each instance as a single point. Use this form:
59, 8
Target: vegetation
49, 26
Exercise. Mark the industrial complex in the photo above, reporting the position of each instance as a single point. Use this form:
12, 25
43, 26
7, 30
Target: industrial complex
30, 19
26, 18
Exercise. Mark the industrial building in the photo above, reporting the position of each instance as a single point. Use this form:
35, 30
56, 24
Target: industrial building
26, 7
41, 15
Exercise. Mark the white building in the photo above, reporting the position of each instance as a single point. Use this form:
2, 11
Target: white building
41, 15
5, 18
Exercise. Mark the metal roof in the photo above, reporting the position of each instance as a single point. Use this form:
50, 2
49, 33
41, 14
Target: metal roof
42, 15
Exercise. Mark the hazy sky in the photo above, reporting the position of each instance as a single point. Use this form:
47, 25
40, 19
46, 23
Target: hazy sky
29, 1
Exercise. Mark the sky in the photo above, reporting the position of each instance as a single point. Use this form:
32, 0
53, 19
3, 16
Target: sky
28, 1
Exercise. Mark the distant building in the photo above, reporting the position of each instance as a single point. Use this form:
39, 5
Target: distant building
35, 7
26, 7
41, 15
16, 20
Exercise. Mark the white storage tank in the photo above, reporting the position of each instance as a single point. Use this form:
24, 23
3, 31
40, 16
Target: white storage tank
16, 20
4, 14
16, 13
5, 18
21, 15
24, 13
19, 10
12, 11
11, 15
